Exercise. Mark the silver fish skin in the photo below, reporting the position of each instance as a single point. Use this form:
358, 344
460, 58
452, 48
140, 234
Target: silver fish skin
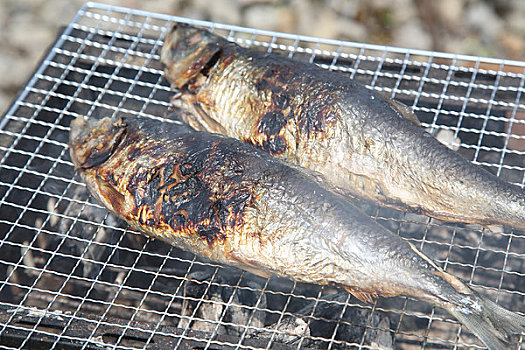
363, 143
226, 201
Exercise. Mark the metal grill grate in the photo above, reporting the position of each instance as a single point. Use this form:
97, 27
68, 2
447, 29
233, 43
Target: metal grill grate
73, 276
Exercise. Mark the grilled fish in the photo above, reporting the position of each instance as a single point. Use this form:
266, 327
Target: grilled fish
229, 202
363, 143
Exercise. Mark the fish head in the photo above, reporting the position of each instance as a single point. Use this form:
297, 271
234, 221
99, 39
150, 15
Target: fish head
187, 51
93, 141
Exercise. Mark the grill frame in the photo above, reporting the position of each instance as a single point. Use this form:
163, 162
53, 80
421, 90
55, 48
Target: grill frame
106, 61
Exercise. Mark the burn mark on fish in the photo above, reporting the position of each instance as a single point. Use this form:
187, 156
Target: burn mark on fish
153, 150
262, 84
267, 85
276, 89
233, 205
270, 73
187, 204
143, 185
270, 128
274, 145
110, 177
178, 219
275, 72
285, 92
204, 195
282, 100
271, 123
317, 115
285, 77
210, 233
189, 195
111, 194
186, 169
134, 153
191, 185
146, 216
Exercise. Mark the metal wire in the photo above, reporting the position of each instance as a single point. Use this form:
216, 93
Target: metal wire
70, 273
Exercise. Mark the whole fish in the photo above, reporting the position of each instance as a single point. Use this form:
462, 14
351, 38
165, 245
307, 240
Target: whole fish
363, 143
226, 201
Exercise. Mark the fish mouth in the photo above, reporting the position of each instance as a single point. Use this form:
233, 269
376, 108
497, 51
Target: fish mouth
93, 141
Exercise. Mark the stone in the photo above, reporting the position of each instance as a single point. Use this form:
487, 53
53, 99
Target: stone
513, 43
158, 6
451, 12
18, 19
412, 35
516, 21
304, 23
482, 18
403, 11
5, 102
381, 4
344, 8
351, 30
15, 7
477, 46
223, 11
32, 43
455, 45
266, 16
4, 16
48, 12
325, 24
14, 70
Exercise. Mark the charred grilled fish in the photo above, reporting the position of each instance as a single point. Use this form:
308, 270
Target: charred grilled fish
363, 143
226, 201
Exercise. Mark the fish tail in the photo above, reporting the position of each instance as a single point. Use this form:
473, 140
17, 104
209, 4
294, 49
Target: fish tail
490, 322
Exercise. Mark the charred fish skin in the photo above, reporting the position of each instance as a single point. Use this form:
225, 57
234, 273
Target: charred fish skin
362, 143
226, 201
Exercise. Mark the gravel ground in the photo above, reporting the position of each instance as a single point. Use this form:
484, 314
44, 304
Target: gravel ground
476, 27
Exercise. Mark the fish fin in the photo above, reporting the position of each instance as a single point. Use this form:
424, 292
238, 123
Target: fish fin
490, 322
424, 257
405, 111
492, 227
210, 124
250, 266
401, 108
110, 196
363, 296
191, 113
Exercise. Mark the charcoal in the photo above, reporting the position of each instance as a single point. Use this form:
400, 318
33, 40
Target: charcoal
290, 330
352, 324
236, 307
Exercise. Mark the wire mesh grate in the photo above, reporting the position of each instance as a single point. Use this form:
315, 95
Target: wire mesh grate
73, 275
